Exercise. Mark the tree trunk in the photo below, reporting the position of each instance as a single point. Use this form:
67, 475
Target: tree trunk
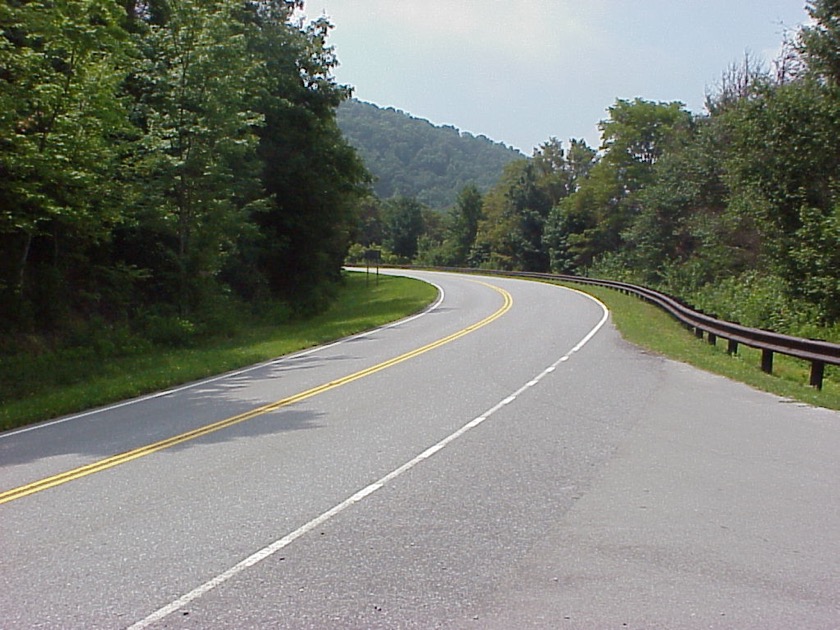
24, 260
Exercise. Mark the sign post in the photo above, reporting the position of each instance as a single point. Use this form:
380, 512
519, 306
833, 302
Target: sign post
372, 256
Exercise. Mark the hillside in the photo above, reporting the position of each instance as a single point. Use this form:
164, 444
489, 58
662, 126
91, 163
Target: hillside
412, 157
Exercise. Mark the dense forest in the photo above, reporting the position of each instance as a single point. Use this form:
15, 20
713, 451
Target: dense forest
161, 160
736, 210
411, 157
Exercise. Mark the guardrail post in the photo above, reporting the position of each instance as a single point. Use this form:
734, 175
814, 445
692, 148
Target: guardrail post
819, 353
817, 373
767, 361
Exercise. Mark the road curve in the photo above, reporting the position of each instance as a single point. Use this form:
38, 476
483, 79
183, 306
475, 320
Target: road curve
504, 460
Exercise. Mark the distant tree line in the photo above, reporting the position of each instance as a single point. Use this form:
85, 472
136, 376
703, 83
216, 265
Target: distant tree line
736, 210
160, 156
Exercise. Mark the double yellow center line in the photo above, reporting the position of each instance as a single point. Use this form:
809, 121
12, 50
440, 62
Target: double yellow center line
122, 458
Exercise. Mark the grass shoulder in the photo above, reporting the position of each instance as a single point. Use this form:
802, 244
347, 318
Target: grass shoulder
48, 385
651, 328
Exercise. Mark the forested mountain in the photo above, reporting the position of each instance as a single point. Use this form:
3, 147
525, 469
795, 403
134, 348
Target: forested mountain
411, 157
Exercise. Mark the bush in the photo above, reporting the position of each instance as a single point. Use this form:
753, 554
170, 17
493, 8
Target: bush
757, 300
170, 331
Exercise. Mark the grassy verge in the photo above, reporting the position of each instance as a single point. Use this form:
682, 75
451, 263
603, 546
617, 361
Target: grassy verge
648, 326
68, 382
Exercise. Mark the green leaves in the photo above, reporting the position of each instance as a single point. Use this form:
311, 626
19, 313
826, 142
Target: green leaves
129, 137
819, 43
62, 64
200, 128
403, 221
816, 255
412, 157
313, 178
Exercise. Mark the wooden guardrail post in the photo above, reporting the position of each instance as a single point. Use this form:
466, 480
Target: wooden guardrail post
767, 361
817, 373
818, 353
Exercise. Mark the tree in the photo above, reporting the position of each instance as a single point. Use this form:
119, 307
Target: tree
580, 160
199, 129
591, 220
464, 221
684, 235
783, 153
819, 43
370, 229
559, 172
61, 63
515, 211
739, 82
783, 171
314, 179
636, 135
403, 218
817, 260
156, 153
588, 222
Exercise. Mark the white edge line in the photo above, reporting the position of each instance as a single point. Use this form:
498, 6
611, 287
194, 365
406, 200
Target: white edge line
592, 333
276, 546
166, 392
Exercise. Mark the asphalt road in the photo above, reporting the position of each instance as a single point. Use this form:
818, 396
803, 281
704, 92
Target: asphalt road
504, 460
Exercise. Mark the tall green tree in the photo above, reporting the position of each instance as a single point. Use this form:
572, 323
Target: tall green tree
61, 63
403, 219
448, 239
314, 179
199, 129
683, 234
510, 234
817, 260
783, 158
587, 223
370, 229
464, 221
591, 220
559, 172
637, 134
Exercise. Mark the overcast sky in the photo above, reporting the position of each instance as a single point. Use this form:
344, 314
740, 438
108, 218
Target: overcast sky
522, 71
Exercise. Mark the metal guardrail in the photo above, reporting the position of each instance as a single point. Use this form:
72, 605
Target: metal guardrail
818, 353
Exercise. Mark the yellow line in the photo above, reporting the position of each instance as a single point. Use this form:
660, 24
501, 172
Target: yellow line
122, 458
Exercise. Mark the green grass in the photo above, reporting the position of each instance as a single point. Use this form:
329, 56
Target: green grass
648, 326
51, 384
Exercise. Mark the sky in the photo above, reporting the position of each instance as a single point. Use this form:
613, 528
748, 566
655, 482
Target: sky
523, 71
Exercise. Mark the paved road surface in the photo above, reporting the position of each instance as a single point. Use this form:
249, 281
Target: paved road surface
525, 468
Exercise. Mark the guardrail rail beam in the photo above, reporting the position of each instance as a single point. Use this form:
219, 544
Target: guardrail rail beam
818, 353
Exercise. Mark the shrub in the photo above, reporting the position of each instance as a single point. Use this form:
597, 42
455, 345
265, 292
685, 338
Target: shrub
170, 331
758, 300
